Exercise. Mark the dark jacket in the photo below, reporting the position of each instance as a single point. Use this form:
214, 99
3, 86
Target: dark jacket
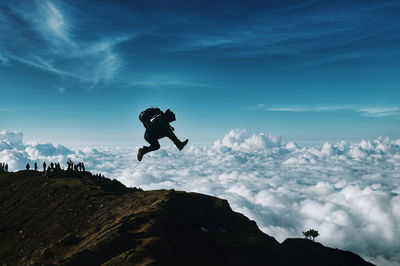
160, 126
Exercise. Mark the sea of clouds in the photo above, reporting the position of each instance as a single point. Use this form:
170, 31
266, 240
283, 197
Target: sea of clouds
349, 192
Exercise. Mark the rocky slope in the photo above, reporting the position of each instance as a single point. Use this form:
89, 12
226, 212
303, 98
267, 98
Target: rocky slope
74, 218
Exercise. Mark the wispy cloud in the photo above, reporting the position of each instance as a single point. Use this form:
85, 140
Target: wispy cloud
367, 111
61, 89
293, 30
4, 60
11, 110
167, 80
54, 47
51, 23
41, 63
380, 111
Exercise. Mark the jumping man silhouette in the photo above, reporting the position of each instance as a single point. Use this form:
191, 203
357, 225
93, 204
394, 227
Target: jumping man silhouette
157, 124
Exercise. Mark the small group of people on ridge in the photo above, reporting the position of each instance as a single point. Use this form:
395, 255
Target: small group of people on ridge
57, 167
52, 166
3, 167
157, 125
99, 176
76, 167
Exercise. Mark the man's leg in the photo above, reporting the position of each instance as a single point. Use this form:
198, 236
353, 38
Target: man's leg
179, 144
155, 145
152, 140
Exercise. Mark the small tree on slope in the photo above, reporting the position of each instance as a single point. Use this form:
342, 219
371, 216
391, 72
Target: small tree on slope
311, 234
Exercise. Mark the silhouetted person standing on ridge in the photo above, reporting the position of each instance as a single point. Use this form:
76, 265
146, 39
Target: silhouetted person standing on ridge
156, 129
28, 166
70, 164
35, 166
44, 166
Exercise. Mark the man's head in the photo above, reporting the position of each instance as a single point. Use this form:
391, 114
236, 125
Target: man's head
170, 115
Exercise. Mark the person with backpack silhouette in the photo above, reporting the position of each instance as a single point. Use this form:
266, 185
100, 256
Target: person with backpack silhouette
157, 127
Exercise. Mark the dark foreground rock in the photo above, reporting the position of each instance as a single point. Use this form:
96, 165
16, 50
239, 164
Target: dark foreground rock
81, 220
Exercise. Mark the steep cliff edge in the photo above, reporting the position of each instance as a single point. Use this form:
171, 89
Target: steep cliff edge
74, 218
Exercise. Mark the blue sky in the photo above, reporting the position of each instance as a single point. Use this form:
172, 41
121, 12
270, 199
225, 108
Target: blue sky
79, 72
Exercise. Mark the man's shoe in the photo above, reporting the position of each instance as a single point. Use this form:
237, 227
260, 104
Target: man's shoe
183, 144
140, 154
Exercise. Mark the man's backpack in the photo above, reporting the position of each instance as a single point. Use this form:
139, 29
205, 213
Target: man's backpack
149, 114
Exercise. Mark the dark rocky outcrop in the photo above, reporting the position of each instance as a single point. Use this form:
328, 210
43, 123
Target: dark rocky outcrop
79, 220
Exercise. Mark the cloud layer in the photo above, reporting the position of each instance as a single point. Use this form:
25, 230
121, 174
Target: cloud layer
349, 192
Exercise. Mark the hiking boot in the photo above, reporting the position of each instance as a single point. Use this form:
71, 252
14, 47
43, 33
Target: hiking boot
140, 154
181, 145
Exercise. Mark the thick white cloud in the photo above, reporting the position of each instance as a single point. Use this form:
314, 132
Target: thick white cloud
12, 137
349, 192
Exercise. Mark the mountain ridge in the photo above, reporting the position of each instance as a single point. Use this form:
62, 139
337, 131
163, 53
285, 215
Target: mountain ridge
75, 218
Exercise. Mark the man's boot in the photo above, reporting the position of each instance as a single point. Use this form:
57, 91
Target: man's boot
180, 145
140, 154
